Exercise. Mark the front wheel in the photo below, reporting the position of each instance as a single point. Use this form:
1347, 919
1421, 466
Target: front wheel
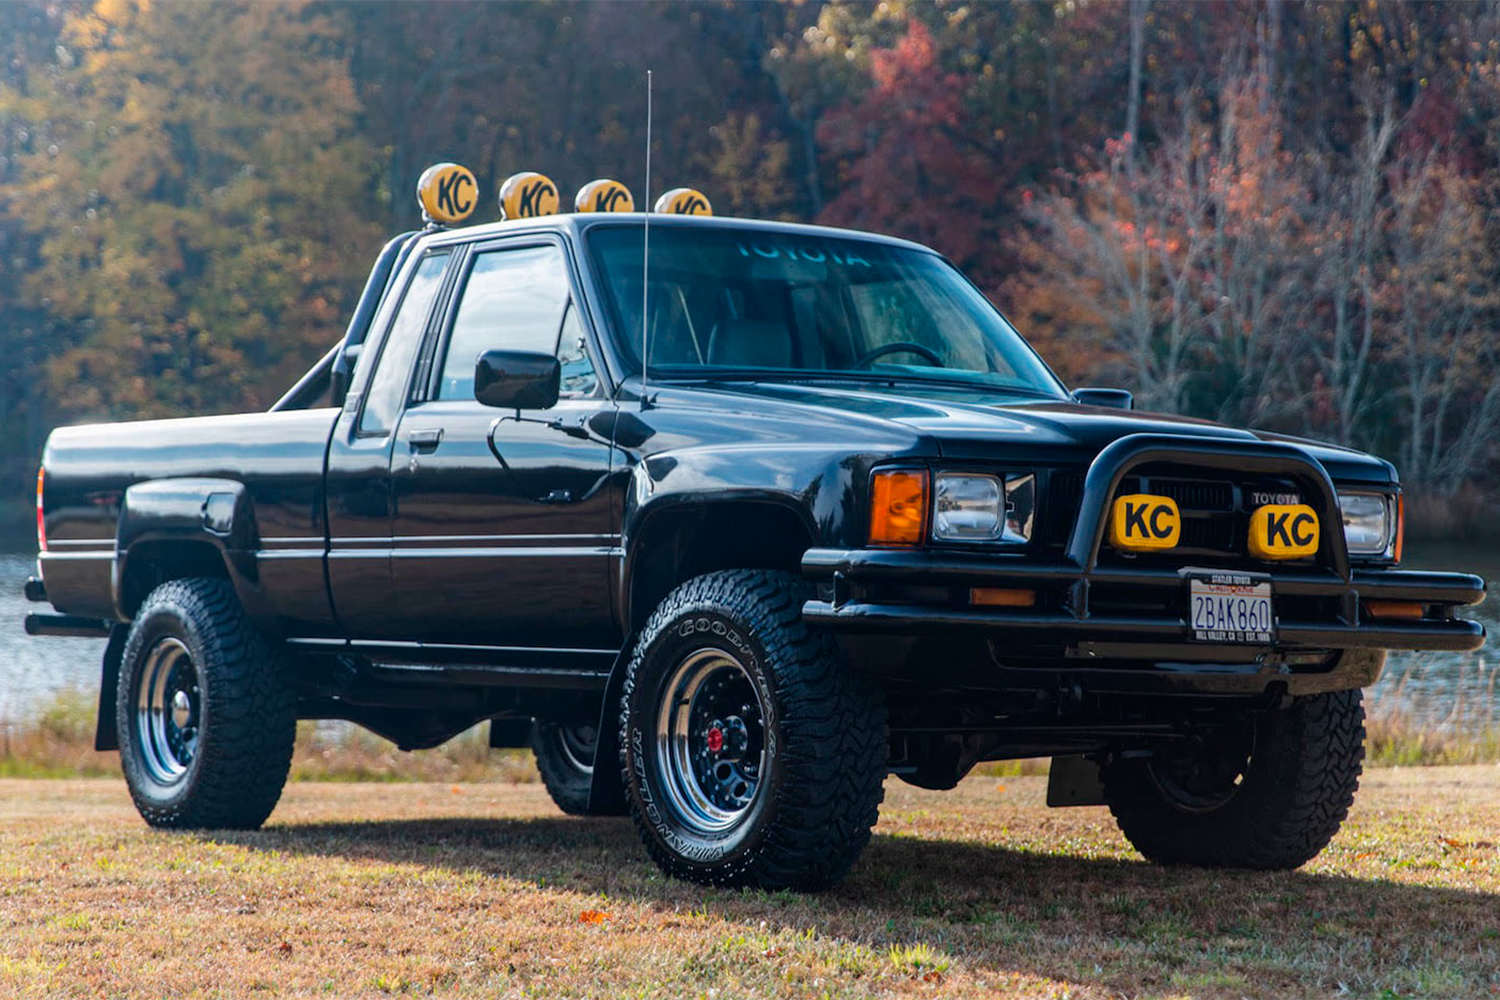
751, 756
1271, 797
206, 712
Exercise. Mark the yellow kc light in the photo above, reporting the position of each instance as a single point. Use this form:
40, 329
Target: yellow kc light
604, 195
1283, 531
447, 193
683, 201
527, 195
1142, 522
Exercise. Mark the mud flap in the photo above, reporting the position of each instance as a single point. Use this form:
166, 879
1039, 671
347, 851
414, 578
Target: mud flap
606, 791
107, 730
1074, 781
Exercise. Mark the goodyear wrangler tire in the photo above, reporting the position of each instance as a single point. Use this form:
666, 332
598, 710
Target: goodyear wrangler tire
565, 758
1271, 799
750, 756
206, 711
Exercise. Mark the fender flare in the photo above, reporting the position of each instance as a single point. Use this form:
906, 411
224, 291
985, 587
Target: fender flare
216, 512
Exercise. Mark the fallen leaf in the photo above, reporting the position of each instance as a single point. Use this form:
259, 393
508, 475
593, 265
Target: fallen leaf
771, 952
933, 977
592, 917
285, 947
456, 790
999, 788
1363, 855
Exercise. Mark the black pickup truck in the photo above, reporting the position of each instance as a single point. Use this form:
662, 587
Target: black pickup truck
844, 524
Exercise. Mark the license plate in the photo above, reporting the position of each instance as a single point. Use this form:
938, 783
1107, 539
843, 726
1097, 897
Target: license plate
1230, 607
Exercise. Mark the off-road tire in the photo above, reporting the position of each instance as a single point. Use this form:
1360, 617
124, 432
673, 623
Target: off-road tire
824, 727
246, 712
569, 784
1294, 794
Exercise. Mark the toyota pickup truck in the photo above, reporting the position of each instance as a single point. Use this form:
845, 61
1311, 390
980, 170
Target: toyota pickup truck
729, 520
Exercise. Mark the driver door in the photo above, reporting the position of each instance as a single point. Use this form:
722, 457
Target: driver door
503, 529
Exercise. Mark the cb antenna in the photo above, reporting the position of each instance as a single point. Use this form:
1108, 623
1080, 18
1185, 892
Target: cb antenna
646, 255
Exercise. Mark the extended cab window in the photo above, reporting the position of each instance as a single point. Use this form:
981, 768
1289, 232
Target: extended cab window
514, 300
387, 391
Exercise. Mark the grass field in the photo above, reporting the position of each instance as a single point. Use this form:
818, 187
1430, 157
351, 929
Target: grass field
485, 890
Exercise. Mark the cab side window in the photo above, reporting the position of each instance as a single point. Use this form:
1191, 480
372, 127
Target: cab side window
388, 386
514, 300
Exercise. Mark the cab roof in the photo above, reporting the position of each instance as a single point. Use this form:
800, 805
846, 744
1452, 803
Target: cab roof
578, 223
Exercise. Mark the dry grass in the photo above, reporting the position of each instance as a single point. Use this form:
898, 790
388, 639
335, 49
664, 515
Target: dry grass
59, 743
487, 891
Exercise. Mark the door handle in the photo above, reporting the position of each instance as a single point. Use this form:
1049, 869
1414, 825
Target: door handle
427, 438
558, 496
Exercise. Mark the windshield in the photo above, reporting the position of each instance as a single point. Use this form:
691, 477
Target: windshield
738, 303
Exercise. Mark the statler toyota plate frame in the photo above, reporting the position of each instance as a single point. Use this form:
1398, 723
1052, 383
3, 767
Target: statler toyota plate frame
1230, 607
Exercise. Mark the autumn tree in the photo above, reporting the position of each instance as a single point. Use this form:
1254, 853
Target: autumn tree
197, 196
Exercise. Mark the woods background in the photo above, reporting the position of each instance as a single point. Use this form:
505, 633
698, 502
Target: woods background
1281, 214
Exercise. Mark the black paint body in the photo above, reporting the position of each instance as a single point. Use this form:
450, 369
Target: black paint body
509, 554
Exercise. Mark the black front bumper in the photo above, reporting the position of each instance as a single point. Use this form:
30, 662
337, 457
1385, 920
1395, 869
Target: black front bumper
854, 573
912, 605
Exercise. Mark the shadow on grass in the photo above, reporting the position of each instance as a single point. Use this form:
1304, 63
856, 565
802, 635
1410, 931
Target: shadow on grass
1116, 925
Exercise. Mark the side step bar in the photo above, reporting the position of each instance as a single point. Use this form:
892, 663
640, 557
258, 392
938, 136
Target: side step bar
42, 624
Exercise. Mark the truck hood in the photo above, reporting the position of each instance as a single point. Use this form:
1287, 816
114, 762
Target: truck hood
968, 425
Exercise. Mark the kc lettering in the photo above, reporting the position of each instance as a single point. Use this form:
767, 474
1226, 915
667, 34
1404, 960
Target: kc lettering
529, 193
450, 194
607, 199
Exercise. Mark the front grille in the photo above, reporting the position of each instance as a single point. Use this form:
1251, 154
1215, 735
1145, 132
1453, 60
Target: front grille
1190, 494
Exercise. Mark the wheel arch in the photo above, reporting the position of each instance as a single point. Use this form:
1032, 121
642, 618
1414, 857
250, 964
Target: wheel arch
680, 537
172, 529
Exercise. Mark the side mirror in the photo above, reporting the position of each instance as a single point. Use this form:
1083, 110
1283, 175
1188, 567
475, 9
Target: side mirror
1119, 399
519, 380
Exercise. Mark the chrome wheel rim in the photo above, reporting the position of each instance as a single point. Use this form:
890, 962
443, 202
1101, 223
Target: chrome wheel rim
710, 740
168, 710
578, 744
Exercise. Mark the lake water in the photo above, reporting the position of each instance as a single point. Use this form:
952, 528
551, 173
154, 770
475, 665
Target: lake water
1435, 688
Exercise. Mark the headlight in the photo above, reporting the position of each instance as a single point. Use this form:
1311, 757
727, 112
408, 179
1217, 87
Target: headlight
978, 508
968, 508
1369, 523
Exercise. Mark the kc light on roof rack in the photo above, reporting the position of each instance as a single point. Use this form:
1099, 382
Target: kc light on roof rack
447, 193
683, 201
604, 195
527, 195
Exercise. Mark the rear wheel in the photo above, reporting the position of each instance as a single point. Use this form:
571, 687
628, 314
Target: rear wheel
1271, 797
565, 757
205, 709
751, 756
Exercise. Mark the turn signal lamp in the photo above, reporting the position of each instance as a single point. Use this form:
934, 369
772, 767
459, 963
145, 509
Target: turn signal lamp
898, 507
1000, 597
41, 518
1400, 528
1395, 609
